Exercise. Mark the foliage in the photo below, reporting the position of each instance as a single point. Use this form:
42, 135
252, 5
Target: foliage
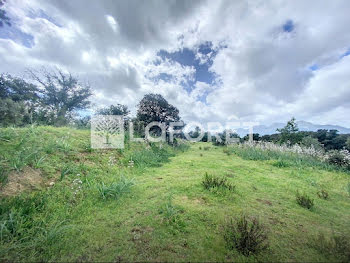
171, 214
61, 94
215, 182
295, 155
118, 109
153, 107
310, 142
116, 189
337, 244
281, 163
339, 158
248, 236
304, 200
152, 155
348, 143
289, 134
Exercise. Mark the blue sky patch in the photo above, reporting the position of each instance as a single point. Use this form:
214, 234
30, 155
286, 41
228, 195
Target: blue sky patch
314, 67
288, 26
347, 53
18, 36
187, 57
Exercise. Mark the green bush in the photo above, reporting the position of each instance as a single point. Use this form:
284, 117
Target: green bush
151, 156
340, 158
116, 189
281, 163
248, 236
304, 200
215, 182
337, 245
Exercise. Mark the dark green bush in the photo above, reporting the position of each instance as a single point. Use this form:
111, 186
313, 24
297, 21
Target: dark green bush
248, 236
304, 200
337, 245
116, 189
216, 182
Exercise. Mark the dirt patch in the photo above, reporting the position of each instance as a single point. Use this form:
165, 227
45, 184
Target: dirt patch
140, 234
266, 202
27, 179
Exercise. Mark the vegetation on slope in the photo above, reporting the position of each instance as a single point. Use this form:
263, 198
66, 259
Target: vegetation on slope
119, 205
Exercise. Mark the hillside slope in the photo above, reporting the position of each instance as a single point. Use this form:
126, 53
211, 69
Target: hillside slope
164, 214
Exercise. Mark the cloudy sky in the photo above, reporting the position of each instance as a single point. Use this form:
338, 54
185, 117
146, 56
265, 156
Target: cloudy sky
248, 60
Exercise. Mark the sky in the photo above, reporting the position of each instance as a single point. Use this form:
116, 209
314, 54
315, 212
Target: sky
249, 60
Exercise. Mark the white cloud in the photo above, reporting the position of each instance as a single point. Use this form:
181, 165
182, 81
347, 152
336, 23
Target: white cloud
263, 71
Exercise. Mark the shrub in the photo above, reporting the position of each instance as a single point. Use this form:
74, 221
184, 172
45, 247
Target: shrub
323, 194
280, 163
340, 158
304, 200
172, 216
338, 245
248, 236
215, 182
151, 156
116, 189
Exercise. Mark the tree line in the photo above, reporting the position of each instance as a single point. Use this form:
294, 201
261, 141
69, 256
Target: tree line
55, 98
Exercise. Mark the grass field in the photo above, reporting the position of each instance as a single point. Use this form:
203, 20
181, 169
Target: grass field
63, 201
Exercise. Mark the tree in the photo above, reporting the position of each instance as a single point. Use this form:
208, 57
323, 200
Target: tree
311, 142
61, 95
17, 89
289, 133
18, 101
153, 107
348, 143
119, 109
4, 19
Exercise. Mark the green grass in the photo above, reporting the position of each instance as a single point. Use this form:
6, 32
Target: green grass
167, 215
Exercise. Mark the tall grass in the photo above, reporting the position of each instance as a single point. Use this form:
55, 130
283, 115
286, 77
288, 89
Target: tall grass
152, 155
284, 156
116, 189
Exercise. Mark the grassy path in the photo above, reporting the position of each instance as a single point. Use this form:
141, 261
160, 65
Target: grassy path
146, 225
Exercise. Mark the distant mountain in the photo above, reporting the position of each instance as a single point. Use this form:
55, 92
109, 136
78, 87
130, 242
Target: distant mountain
302, 125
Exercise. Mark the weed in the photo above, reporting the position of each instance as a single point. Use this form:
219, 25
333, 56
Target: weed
201, 154
172, 215
337, 244
248, 236
304, 200
215, 182
116, 189
38, 160
206, 148
225, 150
323, 194
348, 188
281, 163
